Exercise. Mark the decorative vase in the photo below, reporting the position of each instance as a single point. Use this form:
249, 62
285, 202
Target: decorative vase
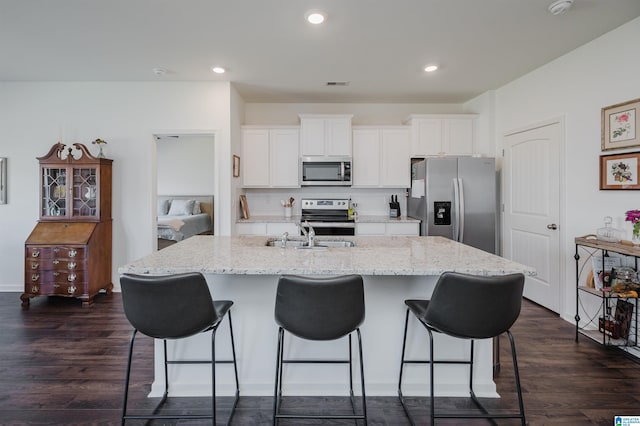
635, 238
100, 153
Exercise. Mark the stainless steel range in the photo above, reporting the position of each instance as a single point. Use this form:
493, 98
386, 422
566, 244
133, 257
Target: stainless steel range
328, 216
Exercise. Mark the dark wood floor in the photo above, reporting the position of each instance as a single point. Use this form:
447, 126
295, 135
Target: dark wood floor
64, 364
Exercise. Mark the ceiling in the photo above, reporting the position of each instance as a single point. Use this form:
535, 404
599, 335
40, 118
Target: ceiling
272, 54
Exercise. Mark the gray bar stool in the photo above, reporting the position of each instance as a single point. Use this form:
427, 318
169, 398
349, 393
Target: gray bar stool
175, 307
467, 307
319, 309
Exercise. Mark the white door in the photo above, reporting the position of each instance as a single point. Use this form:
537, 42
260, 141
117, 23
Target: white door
531, 179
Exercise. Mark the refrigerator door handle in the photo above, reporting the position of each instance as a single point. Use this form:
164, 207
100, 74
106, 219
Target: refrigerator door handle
460, 210
456, 210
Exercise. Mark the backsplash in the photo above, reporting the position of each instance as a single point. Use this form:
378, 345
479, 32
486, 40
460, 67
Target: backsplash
370, 201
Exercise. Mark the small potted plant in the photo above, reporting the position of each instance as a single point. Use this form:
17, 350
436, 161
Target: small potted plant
633, 216
100, 142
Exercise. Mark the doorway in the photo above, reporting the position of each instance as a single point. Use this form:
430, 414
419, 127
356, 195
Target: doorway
185, 169
532, 179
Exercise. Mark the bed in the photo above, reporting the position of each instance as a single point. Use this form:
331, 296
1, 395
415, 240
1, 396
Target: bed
183, 216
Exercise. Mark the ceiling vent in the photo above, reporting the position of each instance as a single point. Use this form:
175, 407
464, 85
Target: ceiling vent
560, 6
337, 83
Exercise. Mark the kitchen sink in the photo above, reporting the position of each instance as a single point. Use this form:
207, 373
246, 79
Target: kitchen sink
302, 244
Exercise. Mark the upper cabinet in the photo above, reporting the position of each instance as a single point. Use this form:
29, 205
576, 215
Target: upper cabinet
325, 135
270, 157
442, 134
74, 188
381, 156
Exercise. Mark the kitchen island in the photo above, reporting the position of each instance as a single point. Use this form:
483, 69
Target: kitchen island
246, 270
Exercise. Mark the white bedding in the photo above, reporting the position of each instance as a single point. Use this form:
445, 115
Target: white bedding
170, 222
177, 228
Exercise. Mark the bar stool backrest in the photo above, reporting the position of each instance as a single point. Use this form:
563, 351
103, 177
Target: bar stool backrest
168, 307
475, 307
320, 308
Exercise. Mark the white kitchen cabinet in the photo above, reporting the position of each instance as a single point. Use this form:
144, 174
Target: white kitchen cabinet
448, 134
270, 157
387, 228
249, 228
370, 228
381, 156
279, 228
325, 135
404, 228
272, 229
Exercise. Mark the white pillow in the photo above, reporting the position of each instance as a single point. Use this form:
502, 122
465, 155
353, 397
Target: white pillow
181, 207
196, 208
163, 207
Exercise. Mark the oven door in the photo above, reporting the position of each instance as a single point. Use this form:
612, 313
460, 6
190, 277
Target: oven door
332, 228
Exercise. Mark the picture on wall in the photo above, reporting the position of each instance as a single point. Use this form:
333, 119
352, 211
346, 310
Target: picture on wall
620, 171
620, 125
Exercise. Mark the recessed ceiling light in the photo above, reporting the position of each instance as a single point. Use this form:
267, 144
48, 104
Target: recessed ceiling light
218, 70
315, 16
430, 68
159, 71
559, 7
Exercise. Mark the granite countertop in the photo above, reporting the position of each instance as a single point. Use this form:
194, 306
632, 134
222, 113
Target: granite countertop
296, 219
249, 255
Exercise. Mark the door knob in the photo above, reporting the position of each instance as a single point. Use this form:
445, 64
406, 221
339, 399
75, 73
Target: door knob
552, 226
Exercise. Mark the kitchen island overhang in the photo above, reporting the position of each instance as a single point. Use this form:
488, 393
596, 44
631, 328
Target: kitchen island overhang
245, 270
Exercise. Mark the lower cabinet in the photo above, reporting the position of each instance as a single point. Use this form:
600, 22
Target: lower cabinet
68, 259
267, 228
387, 228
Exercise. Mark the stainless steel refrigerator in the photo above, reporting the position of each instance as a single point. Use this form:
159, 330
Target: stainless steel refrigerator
455, 197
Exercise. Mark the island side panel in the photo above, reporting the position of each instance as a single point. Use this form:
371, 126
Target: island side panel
256, 339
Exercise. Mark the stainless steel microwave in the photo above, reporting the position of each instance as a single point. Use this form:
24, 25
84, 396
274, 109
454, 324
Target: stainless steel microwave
325, 171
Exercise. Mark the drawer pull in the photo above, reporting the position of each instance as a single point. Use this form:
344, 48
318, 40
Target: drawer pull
56, 249
35, 265
35, 277
34, 289
71, 289
73, 253
71, 265
35, 254
71, 277
56, 261
56, 273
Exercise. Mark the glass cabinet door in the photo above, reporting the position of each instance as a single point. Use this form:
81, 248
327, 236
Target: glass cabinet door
85, 192
54, 191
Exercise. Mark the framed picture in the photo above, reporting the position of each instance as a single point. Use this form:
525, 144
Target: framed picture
620, 125
3, 180
236, 166
620, 171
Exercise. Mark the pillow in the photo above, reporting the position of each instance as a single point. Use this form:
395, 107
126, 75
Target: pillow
181, 207
163, 207
196, 208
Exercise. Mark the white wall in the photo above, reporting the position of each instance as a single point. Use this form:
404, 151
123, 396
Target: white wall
124, 114
576, 87
186, 165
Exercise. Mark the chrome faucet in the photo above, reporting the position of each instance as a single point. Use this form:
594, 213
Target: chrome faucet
310, 235
283, 239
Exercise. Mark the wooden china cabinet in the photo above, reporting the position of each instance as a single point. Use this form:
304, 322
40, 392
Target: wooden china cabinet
68, 253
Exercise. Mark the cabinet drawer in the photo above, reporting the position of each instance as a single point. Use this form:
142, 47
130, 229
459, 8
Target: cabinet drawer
48, 276
64, 289
54, 264
48, 252
55, 288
